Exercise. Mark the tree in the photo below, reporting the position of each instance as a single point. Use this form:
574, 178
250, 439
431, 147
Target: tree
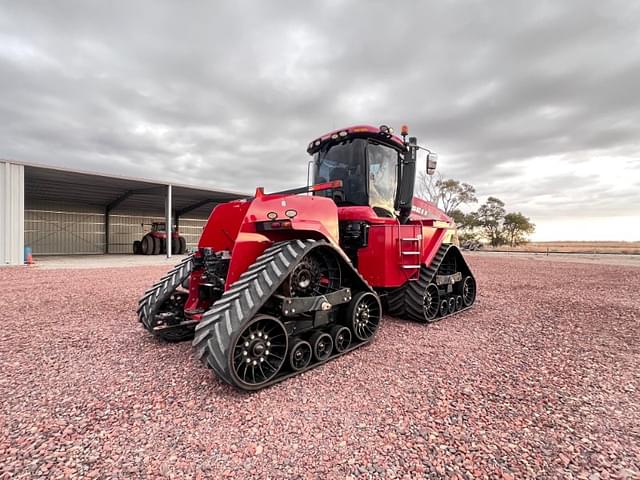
447, 194
427, 187
490, 216
465, 221
516, 227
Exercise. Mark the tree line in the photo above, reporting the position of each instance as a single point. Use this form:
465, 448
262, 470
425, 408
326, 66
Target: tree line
490, 221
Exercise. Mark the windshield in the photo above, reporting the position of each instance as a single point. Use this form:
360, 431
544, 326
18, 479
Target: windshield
347, 161
383, 173
343, 161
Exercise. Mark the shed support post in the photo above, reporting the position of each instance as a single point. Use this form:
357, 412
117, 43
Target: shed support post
169, 224
106, 229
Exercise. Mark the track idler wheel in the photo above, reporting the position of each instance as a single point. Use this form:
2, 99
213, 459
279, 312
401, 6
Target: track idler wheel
458, 302
363, 315
322, 345
258, 352
431, 302
341, 338
468, 291
300, 354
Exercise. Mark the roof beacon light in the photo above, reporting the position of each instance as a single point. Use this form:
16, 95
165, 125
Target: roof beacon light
404, 130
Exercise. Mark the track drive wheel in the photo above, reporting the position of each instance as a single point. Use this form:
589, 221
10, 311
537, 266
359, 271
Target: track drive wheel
341, 337
258, 351
364, 314
322, 345
300, 354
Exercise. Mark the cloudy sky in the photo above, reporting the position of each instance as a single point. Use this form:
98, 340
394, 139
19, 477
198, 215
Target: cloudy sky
537, 103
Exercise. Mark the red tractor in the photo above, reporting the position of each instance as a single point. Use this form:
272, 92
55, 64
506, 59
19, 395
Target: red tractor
283, 282
155, 241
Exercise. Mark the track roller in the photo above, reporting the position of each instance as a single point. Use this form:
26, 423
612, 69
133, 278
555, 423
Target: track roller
459, 302
452, 304
322, 345
341, 338
300, 354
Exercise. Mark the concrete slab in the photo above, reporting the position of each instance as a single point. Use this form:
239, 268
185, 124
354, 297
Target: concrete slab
103, 261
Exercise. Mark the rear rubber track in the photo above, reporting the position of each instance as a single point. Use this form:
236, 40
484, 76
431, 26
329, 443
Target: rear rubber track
407, 301
152, 300
217, 331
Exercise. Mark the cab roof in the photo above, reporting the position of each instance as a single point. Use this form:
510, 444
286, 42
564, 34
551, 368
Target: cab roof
382, 133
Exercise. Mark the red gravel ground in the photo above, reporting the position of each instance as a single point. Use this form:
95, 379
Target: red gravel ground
540, 379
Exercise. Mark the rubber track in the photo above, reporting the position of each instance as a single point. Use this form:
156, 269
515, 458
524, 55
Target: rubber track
215, 333
407, 301
154, 297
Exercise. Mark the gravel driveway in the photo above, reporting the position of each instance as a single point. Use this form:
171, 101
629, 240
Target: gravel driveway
540, 379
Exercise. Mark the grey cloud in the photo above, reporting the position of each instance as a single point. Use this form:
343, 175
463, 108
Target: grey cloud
230, 94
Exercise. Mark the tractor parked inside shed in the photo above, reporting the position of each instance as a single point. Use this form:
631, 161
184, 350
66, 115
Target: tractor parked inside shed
155, 241
283, 282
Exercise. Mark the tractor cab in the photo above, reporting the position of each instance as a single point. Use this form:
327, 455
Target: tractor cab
377, 168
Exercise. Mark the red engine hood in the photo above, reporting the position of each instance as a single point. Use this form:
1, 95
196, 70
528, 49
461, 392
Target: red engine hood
425, 210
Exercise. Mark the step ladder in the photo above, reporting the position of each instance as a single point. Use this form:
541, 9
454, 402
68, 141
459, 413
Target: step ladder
410, 250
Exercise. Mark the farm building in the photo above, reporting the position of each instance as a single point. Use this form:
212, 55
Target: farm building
56, 211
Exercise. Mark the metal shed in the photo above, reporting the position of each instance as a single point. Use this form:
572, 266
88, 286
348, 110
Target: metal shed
58, 211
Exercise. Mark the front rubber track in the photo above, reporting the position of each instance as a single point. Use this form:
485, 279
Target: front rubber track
219, 328
407, 301
153, 298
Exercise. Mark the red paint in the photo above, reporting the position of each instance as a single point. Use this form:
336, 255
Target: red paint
240, 229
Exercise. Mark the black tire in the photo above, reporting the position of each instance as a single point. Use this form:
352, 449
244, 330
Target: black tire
322, 345
137, 247
157, 245
183, 245
364, 314
341, 337
300, 354
148, 245
175, 246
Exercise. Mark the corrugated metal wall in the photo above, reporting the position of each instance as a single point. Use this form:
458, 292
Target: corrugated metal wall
11, 214
50, 231
74, 230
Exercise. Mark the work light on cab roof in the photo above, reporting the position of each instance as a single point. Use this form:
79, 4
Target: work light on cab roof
283, 282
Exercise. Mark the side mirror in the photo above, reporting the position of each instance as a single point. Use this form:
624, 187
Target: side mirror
432, 163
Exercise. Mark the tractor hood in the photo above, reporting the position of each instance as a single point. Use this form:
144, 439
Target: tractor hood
245, 228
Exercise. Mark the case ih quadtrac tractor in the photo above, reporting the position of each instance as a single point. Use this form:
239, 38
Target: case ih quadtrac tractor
155, 241
283, 282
